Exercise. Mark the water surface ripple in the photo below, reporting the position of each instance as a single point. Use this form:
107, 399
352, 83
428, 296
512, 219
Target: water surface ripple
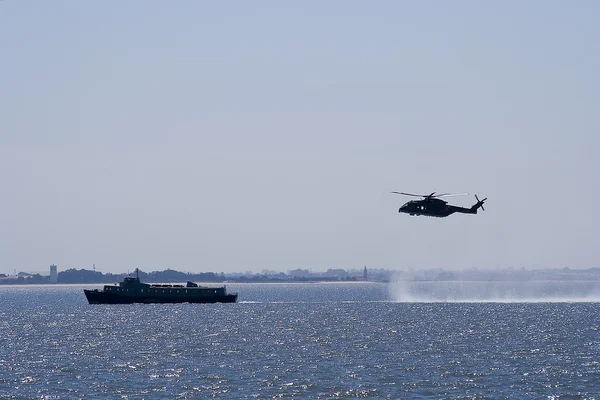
319, 341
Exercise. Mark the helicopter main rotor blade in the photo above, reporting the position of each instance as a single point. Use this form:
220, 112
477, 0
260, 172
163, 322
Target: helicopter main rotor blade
451, 194
432, 195
410, 194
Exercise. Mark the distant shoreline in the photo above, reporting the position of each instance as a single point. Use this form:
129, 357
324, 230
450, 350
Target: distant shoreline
198, 282
93, 277
515, 281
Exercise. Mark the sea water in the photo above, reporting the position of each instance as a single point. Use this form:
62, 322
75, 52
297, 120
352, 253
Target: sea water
305, 341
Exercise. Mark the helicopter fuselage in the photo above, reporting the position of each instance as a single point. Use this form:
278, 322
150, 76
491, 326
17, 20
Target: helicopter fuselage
433, 207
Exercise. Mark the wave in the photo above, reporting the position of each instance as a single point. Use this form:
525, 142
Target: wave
503, 291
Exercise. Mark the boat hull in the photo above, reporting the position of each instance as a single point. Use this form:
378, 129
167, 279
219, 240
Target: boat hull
101, 297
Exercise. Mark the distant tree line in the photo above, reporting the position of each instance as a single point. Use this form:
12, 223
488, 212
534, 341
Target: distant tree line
169, 275
83, 276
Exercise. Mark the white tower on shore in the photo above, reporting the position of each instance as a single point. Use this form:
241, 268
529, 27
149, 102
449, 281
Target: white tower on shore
53, 274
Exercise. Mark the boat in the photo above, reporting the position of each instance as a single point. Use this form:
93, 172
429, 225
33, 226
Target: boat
131, 290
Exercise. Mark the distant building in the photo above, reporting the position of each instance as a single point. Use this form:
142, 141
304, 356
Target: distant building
365, 273
299, 273
53, 274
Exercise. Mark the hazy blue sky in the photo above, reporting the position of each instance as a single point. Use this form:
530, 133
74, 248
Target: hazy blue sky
237, 136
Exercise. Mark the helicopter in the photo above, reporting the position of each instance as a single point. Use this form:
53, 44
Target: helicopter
432, 206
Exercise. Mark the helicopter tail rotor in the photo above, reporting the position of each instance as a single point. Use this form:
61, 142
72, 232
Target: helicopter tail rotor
479, 203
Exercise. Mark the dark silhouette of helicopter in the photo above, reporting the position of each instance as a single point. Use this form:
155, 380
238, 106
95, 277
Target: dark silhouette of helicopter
432, 206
